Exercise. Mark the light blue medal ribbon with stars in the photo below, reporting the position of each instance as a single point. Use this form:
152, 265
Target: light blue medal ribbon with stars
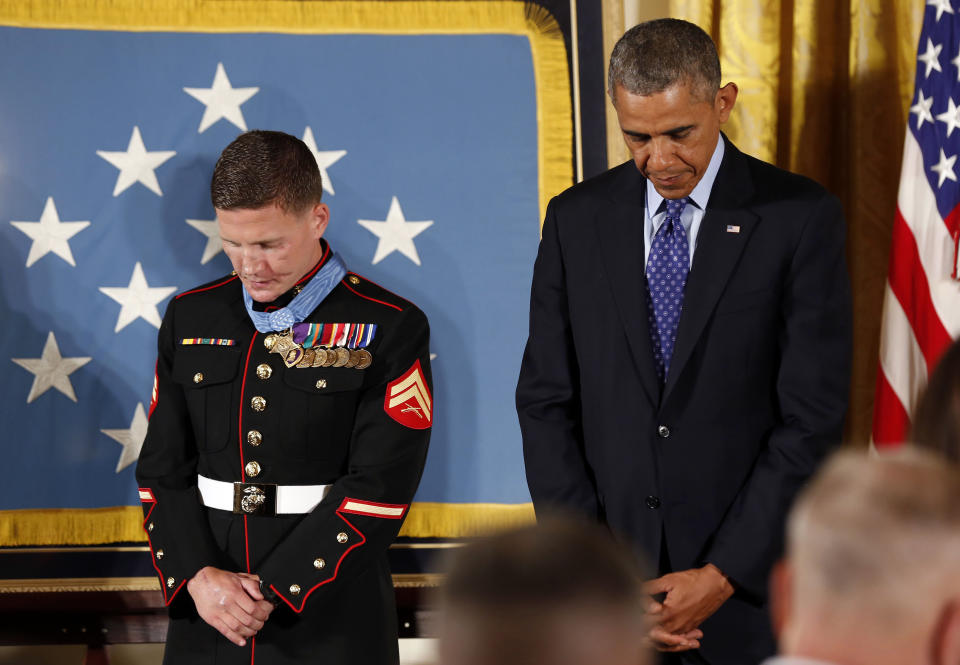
319, 286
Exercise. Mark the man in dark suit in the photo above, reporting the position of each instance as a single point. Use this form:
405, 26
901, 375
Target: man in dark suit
689, 353
288, 430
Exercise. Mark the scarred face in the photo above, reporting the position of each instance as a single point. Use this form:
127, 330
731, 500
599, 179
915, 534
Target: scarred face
271, 248
672, 134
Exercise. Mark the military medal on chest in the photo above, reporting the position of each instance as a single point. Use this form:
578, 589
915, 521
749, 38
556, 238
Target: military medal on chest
324, 345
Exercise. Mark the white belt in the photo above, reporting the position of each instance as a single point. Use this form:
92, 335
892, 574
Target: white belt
260, 498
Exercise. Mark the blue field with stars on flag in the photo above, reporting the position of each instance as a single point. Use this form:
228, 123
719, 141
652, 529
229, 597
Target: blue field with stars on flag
428, 146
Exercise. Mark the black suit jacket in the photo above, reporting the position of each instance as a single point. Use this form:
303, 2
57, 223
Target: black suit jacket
754, 399
327, 569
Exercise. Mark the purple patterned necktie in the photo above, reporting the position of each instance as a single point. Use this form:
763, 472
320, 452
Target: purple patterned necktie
667, 268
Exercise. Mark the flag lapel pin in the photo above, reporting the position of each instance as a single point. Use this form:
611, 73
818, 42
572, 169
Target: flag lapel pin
733, 229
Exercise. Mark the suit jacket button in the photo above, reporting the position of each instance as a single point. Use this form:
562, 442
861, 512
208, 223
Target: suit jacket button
252, 469
342, 538
663, 432
295, 589
170, 582
652, 502
264, 371
319, 564
254, 437
258, 403
159, 554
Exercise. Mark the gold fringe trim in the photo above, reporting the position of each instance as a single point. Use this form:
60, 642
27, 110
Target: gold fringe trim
71, 526
463, 520
123, 524
554, 122
95, 584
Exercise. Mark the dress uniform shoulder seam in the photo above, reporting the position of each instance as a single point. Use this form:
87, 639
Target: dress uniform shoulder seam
355, 280
207, 287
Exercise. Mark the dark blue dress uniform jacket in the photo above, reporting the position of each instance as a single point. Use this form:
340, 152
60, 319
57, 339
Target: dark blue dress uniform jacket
327, 569
704, 468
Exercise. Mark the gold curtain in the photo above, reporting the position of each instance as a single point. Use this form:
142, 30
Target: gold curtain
824, 90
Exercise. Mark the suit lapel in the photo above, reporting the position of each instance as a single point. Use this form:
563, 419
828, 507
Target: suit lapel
620, 236
716, 256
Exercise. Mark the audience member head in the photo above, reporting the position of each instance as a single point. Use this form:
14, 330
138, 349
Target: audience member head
562, 593
936, 421
872, 573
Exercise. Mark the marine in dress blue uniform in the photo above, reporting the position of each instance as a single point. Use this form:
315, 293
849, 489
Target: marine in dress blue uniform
286, 468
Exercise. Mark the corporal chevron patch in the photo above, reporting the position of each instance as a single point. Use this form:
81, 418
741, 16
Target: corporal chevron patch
408, 399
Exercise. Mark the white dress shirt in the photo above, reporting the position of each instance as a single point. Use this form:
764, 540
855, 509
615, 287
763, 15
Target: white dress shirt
691, 216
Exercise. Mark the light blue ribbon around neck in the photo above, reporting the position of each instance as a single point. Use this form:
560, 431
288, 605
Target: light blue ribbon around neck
319, 286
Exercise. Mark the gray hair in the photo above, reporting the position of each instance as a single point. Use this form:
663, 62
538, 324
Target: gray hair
659, 54
877, 540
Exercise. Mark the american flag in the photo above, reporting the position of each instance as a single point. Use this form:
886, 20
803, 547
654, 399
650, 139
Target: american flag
428, 146
921, 312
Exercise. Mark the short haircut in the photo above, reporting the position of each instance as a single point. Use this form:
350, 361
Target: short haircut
936, 422
656, 55
261, 168
876, 540
513, 593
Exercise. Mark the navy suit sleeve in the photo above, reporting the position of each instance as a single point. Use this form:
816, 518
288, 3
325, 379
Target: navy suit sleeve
812, 386
548, 402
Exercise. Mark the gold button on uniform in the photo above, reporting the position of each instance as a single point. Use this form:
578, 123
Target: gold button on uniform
198, 377
170, 582
295, 589
159, 554
150, 526
319, 564
254, 437
258, 403
270, 340
252, 469
264, 371
321, 384
341, 537
354, 280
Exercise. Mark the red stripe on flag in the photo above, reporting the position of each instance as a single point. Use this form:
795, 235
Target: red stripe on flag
953, 221
890, 419
909, 284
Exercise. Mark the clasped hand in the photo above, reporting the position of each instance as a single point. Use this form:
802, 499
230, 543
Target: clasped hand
230, 602
691, 597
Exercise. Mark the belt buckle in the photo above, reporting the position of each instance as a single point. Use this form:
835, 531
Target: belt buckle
255, 499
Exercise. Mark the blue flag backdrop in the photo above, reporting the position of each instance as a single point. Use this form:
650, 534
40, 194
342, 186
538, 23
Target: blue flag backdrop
441, 128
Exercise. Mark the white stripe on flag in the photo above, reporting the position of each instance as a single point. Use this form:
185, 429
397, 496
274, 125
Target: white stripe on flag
934, 244
901, 359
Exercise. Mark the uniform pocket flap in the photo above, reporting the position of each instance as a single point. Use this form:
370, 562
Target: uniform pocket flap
323, 380
204, 366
